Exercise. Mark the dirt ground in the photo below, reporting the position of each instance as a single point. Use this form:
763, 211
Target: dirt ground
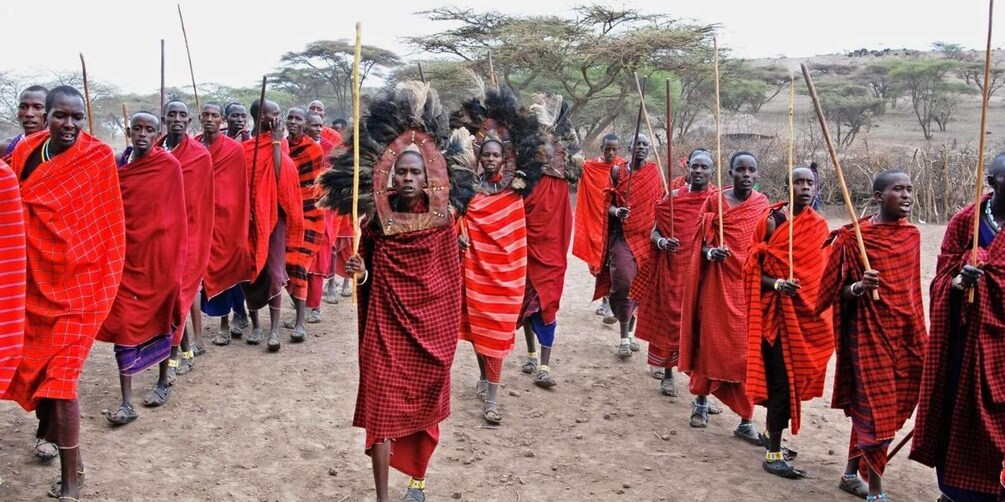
248, 425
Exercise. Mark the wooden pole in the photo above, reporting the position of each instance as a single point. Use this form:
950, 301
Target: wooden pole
792, 189
355, 150
254, 155
493, 79
188, 52
161, 112
980, 148
652, 136
631, 161
670, 161
901, 444
422, 76
837, 170
87, 96
718, 139
125, 123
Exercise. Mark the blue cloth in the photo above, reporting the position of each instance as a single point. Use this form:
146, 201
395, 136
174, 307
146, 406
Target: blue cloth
545, 332
134, 360
231, 300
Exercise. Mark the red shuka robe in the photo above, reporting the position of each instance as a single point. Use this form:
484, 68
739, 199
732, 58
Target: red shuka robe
807, 337
659, 287
646, 191
322, 263
12, 269
713, 337
268, 196
549, 232
197, 174
156, 233
591, 213
332, 136
308, 157
228, 252
976, 441
890, 333
75, 256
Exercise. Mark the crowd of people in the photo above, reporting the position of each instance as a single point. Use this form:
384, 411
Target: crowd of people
466, 222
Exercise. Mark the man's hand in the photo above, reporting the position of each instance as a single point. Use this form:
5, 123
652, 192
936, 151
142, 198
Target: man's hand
354, 266
870, 281
670, 245
789, 288
718, 254
620, 212
463, 242
969, 276
277, 129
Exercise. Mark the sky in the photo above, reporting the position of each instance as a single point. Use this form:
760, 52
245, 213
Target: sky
121, 39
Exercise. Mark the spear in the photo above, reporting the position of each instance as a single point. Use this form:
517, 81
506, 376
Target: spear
188, 52
980, 149
355, 150
87, 96
670, 150
125, 123
718, 139
837, 170
649, 126
162, 84
792, 189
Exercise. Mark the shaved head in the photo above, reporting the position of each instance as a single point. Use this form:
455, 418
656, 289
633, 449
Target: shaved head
997, 167
884, 179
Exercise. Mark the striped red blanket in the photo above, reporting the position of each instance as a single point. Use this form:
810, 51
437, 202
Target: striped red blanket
308, 157
12, 268
591, 213
228, 253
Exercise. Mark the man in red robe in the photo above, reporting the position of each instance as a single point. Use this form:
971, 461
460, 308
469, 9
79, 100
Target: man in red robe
237, 122
75, 257
342, 225
308, 157
714, 323
960, 426
228, 253
12, 266
322, 266
316, 107
31, 116
633, 190
789, 342
591, 214
660, 285
277, 217
880, 342
144, 315
197, 173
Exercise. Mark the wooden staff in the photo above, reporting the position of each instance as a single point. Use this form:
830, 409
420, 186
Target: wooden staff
422, 76
718, 138
188, 52
161, 112
254, 155
837, 169
355, 151
649, 127
125, 123
670, 161
635, 150
900, 445
493, 79
792, 189
87, 96
980, 149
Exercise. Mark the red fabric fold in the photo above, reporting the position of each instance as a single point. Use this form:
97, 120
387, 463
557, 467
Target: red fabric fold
228, 253
806, 336
12, 269
591, 213
75, 254
156, 232
308, 157
549, 232
268, 195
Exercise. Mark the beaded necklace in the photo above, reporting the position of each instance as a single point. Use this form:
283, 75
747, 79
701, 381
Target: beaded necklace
45, 151
991, 217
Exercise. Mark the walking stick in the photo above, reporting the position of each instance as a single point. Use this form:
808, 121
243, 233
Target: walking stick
87, 96
792, 189
125, 123
670, 161
652, 136
837, 170
163, 127
718, 138
635, 151
188, 52
493, 79
980, 149
355, 151
900, 445
254, 155
422, 76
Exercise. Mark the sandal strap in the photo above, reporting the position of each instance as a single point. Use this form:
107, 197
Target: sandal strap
416, 484
188, 355
173, 363
545, 368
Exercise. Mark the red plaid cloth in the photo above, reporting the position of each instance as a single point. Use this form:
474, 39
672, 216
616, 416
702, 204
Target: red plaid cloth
976, 440
409, 315
197, 173
713, 336
890, 332
228, 253
75, 257
12, 269
495, 272
332, 136
659, 287
268, 195
549, 232
807, 337
156, 233
591, 213
646, 191
308, 157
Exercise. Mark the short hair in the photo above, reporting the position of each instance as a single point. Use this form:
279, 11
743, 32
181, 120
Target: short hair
741, 153
253, 109
884, 179
213, 103
697, 151
340, 121
144, 112
997, 165
610, 137
171, 102
35, 88
226, 109
297, 108
62, 90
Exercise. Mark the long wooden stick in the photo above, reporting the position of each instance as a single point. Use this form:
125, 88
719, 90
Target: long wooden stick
792, 189
161, 112
980, 148
87, 96
900, 445
670, 161
837, 170
635, 151
422, 76
188, 52
125, 123
718, 139
493, 79
254, 155
355, 150
652, 136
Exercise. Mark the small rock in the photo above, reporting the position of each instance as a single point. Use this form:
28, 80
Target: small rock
626, 486
620, 492
830, 452
457, 496
607, 416
529, 453
332, 471
514, 393
579, 436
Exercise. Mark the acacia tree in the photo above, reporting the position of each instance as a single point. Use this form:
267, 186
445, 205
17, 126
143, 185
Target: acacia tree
851, 107
926, 83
